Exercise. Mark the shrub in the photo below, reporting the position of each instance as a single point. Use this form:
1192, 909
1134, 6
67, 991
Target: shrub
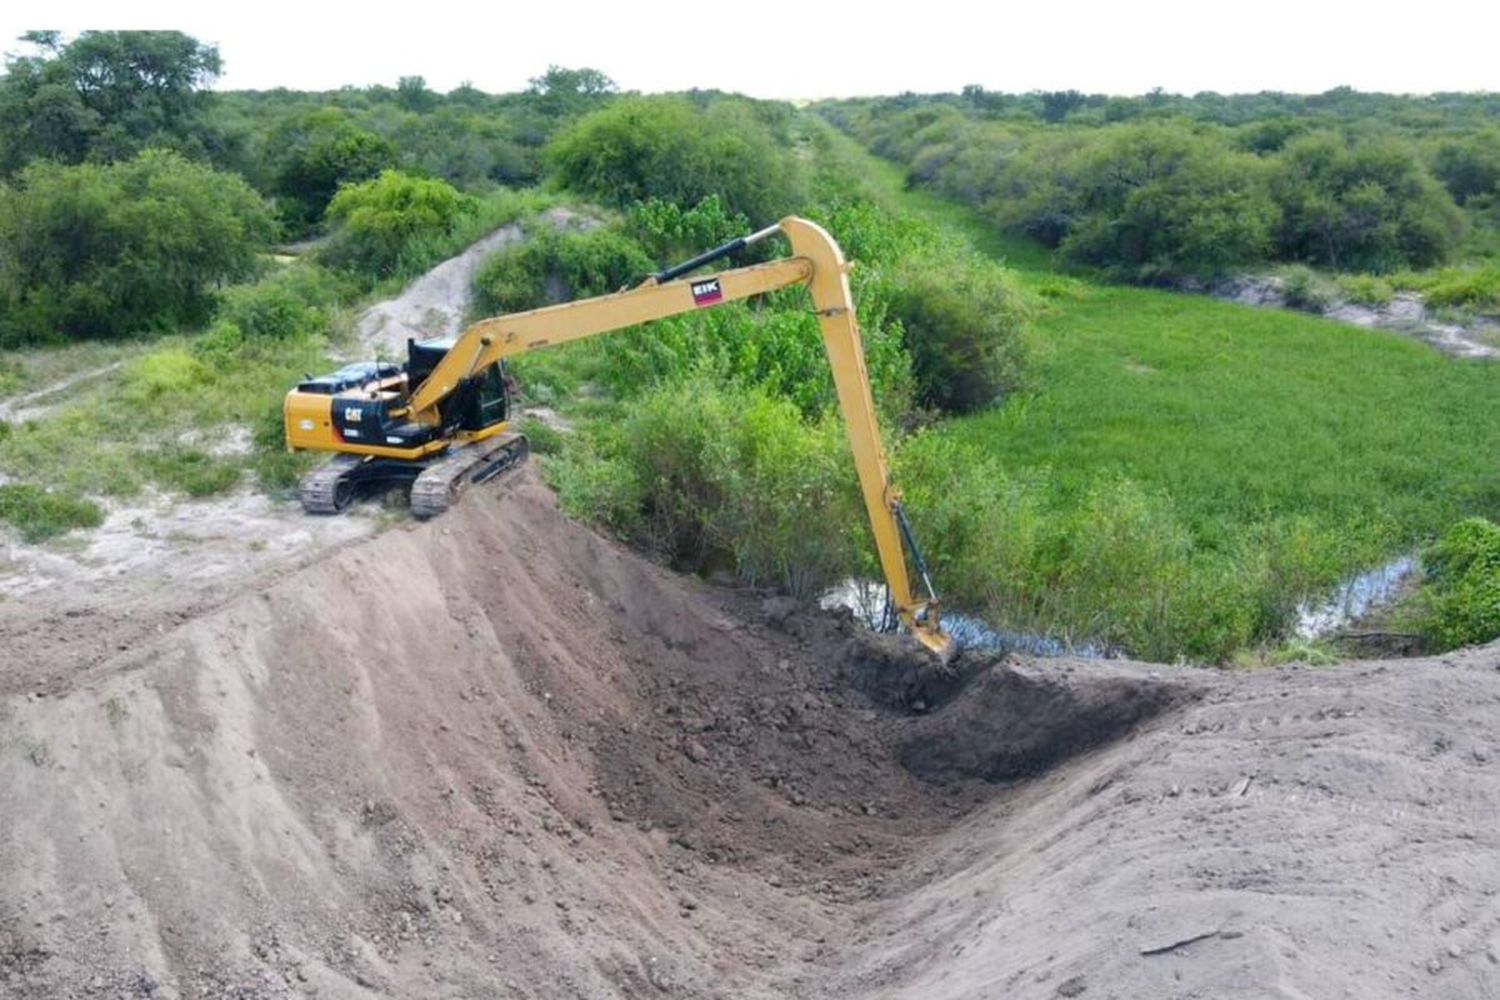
1367, 206
194, 472
92, 251
40, 514
379, 222
1469, 166
554, 266
667, 231
1306, 289
1462, 594
1147, 201
712, 476
270, 310
962, 327
1366, 289
1110, 563
638, 148
164, 373
1477, 287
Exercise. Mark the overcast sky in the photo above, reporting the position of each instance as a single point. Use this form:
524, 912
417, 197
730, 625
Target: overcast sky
808, 50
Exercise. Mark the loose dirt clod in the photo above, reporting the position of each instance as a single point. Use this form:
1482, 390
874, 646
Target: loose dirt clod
499, 756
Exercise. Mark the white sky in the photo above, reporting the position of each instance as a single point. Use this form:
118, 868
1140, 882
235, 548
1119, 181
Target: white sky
775, 48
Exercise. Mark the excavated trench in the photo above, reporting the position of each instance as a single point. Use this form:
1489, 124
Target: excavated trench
500, 756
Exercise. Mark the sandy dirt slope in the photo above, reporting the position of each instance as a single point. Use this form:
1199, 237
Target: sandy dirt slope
437, 304
499, 756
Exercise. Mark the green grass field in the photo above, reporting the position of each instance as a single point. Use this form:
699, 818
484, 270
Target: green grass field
1184, 469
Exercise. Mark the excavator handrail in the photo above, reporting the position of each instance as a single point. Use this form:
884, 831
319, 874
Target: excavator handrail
818, 263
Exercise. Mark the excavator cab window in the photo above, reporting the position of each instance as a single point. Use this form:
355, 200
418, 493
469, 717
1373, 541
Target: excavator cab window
493, 401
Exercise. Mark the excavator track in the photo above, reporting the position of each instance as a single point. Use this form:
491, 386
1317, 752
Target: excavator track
440, 484
330, 487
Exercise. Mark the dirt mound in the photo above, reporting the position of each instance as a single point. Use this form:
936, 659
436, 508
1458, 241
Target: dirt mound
499, 756
1016, 720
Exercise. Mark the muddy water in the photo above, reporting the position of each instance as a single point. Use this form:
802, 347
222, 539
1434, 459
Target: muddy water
867, 600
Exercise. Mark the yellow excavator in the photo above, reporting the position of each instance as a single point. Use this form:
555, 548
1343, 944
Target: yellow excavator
440, 422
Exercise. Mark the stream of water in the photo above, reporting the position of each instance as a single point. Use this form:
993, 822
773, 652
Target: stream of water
1356, 597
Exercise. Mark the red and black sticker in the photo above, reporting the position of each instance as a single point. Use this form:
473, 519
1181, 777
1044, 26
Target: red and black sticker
707, 292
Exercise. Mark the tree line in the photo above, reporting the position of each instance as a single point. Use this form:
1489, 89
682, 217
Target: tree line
1164, 186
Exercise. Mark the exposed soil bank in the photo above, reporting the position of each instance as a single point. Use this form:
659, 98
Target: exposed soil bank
499, 756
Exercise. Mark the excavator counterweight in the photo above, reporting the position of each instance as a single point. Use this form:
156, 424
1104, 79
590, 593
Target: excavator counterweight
440, 422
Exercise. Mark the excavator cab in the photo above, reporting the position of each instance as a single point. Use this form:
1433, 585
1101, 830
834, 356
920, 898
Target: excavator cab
480, 401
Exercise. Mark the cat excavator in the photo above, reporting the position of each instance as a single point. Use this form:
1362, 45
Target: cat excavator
440, 423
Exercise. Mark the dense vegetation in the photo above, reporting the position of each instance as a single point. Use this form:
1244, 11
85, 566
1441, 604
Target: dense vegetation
1164, 475
1163, 187
1462, 598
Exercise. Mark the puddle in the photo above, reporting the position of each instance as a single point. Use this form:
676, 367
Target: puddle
1354, 598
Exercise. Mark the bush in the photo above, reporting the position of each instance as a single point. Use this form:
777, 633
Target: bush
711, 476
1469, 166
40, 514
92, 251
962, 327
192, 471
379, 222
1368, 206
667, 231
164, 373
271, 310
1108, 563
554, 266
1306, 289
1366, 289
1462, 594
1477, 288
639, 148
1146, 201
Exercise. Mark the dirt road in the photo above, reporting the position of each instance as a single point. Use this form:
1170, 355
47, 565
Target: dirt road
499, 756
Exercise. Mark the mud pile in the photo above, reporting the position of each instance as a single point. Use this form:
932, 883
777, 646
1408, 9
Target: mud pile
500, 756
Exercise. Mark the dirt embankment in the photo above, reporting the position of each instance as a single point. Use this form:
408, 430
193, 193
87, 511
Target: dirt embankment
499, 756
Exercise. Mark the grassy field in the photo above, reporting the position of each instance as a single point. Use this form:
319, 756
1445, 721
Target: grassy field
1185, 469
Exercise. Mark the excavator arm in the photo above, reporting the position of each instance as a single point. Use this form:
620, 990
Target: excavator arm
818, 263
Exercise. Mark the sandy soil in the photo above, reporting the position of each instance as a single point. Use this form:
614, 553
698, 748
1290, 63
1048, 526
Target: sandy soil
499, 756
437, 304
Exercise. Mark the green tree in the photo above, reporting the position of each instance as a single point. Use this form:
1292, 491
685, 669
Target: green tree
664, 147
412, 94
316, 152
105, 96
108, 251
1470, 166
1361, 205
377, 222
1148, 200
565, 93
1058, 104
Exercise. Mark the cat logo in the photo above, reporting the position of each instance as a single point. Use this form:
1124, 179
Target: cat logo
706, 293
353, 414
